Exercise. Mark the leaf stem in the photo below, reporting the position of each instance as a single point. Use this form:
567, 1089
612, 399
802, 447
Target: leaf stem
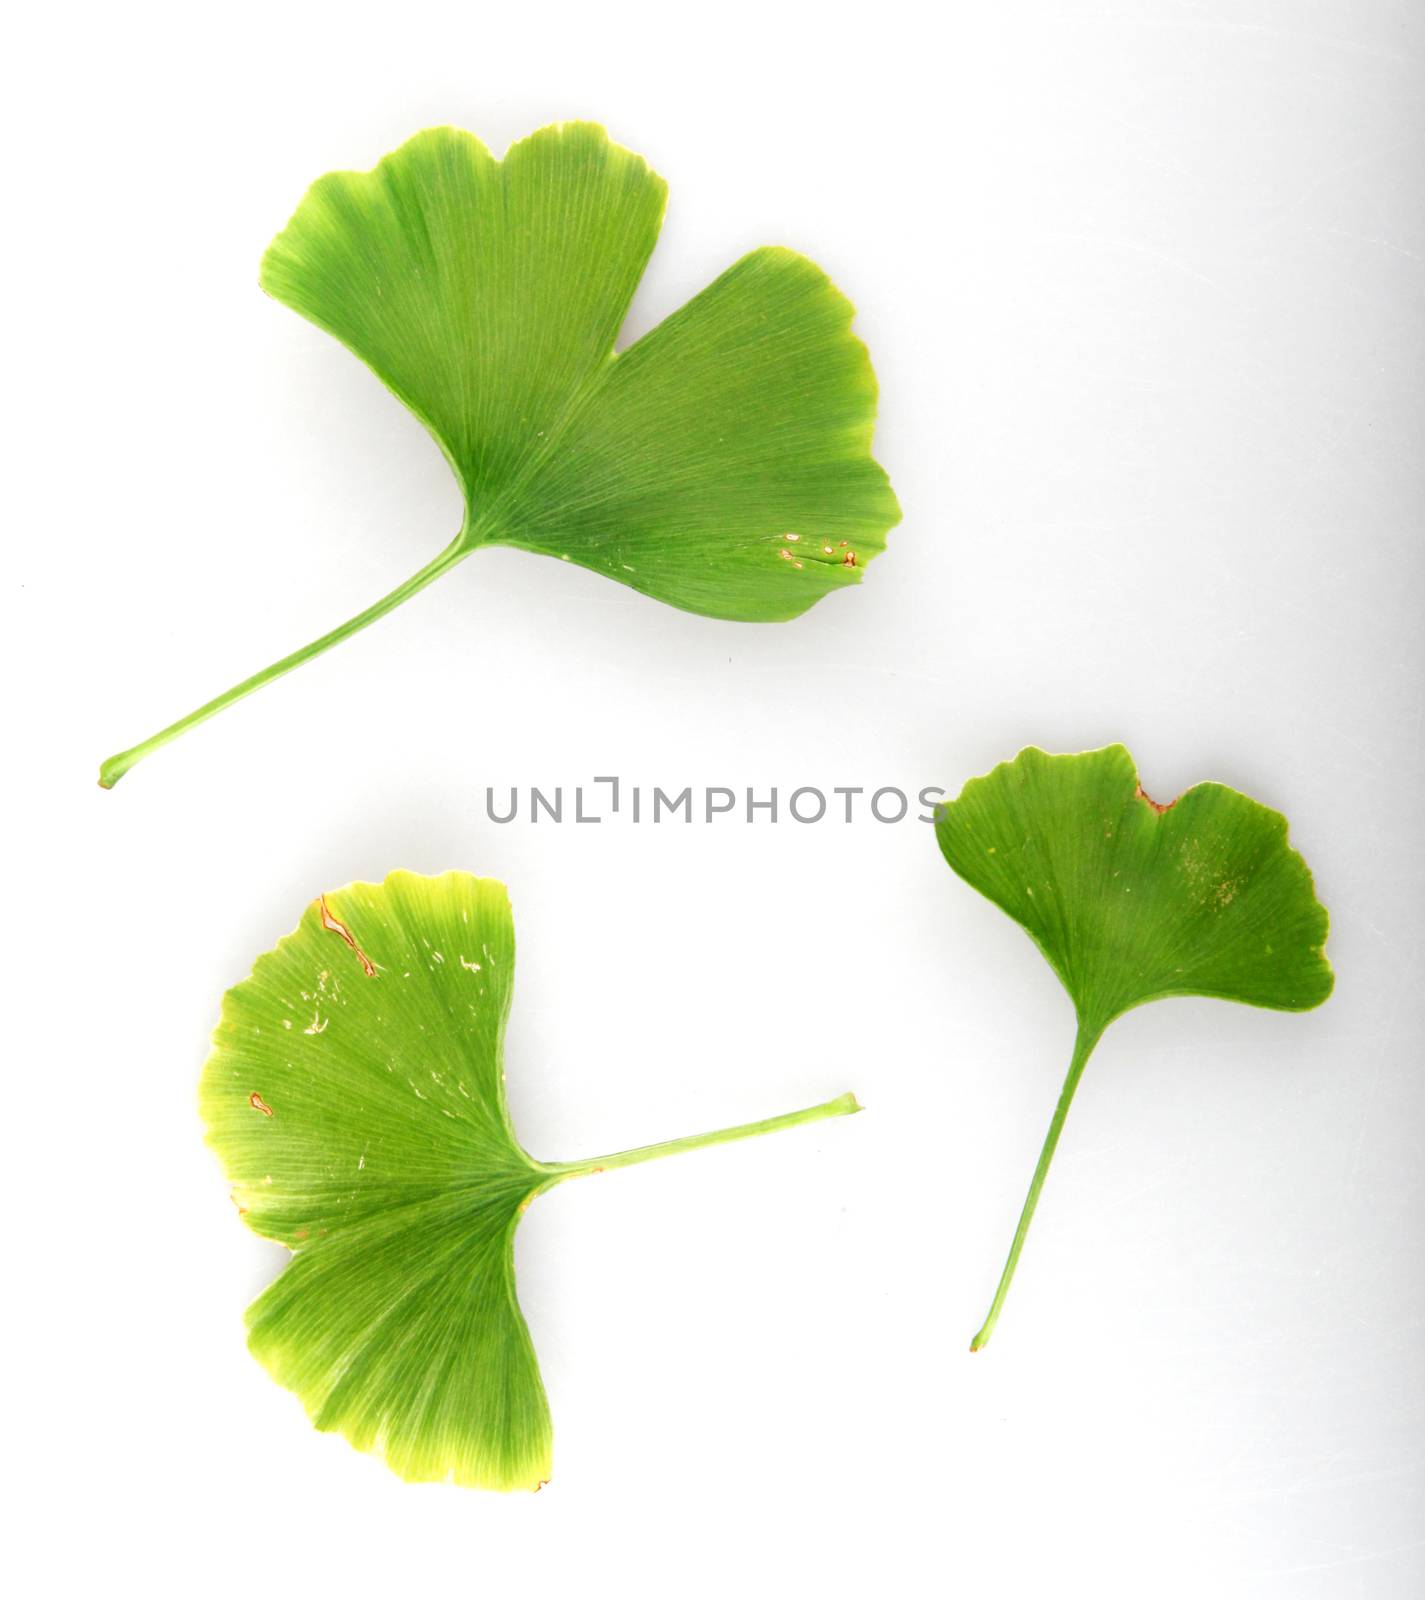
116, 766
842, 1106
1087, 1037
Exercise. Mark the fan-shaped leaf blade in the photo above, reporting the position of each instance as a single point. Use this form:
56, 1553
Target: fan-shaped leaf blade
355, 1094
1130, 901
722, 464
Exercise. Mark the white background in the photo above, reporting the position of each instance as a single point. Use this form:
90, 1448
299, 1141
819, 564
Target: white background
1142, 284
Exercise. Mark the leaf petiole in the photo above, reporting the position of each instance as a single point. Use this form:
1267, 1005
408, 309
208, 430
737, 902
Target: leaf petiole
1087, 1037
842, 1106
455, 552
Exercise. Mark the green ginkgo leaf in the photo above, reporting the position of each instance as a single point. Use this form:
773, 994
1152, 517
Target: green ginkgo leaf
1132, 901
722, 463
355, 1094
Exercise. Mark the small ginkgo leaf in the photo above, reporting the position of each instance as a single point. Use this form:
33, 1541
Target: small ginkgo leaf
1132, 901
721, 464
355, 1094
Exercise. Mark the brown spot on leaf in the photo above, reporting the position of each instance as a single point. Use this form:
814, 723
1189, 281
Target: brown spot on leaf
330, 923
257, 1103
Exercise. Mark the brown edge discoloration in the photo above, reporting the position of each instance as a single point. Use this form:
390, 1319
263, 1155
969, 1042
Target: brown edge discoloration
330, 923
1143, 794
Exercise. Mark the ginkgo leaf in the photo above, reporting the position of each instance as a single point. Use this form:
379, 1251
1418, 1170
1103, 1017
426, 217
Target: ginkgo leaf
722, 463
1130, 901
355, 1094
